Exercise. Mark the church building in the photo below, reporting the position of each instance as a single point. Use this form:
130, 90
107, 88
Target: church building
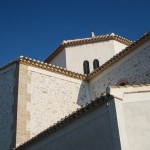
89, 94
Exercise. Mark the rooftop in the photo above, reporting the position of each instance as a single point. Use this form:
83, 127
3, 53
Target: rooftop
92, 39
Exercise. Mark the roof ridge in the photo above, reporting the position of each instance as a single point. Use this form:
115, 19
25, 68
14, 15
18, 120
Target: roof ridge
67, 119
103, 35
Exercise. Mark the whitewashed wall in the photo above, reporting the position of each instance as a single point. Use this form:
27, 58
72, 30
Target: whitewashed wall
118, 46
133, 115
73, 57
60, 60
52, 97
135, 68
7, 85
91, 131
103, 51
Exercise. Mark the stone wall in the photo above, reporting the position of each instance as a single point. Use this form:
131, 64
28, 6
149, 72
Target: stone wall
134, 69
91, 131
8, 79
23, 115
46, 97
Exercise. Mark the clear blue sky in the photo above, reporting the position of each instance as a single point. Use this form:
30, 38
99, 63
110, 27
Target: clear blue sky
34, 28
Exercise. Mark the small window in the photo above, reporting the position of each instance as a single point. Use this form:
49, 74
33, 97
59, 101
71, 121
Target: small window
86, 67
95, 64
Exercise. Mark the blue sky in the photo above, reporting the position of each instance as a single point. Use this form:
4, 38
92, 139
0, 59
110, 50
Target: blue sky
34, 28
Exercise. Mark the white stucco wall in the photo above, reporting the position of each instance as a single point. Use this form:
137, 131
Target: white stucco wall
118, 46
103, 51
137, 122
91, 131
60, 60
7, 85
52, 96
133, 115
134, 68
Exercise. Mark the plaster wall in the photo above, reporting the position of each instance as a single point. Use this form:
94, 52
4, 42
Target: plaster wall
133, 115
51, 97
128, 69
60, 60
118, 46
137, 114
103, 51
92, 131
7, 107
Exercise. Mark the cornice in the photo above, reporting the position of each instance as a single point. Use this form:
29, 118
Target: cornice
52, 68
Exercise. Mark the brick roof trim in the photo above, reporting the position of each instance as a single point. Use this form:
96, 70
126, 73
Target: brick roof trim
67, 120
119, 56
38, 64
95, 39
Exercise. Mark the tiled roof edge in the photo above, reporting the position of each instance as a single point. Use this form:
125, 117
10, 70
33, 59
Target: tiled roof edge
68, 119
132, 85
52, 68
87, 41
45, 66
119, 56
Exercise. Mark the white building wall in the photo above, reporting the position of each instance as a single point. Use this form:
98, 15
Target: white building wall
137, 113
129, 68
60, 60
118, 46
103, 51
52, 96
7, 103
91, 131
133, 115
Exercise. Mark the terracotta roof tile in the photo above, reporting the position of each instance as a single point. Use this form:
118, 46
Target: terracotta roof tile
45, 66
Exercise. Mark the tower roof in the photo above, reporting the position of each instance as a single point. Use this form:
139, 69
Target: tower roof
92, 39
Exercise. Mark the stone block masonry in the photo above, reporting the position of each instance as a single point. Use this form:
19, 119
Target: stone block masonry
23, 115
128, 69
53, 96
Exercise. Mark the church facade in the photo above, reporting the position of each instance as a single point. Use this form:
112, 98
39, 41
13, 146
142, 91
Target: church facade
101, 85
